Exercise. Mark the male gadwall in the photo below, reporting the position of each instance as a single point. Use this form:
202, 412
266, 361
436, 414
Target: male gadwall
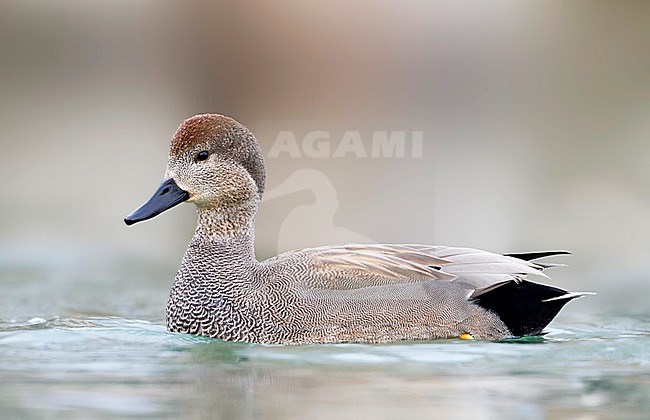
333, 294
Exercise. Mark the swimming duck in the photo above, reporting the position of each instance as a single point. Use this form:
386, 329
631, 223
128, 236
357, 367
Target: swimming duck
347, 293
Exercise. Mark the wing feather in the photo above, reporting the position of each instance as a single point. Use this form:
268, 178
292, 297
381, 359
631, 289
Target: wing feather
356, 266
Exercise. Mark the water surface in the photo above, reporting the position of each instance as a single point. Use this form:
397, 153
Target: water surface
75, 344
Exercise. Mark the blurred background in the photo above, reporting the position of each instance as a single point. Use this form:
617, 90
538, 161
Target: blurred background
534, 119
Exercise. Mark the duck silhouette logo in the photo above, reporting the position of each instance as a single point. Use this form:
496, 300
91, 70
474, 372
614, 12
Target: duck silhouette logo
312, 223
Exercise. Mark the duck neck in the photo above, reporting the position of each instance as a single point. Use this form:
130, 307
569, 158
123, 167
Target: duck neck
219, 224
225, 240
216, 276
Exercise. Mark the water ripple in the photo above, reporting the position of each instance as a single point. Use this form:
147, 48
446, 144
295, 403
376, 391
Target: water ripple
118, 366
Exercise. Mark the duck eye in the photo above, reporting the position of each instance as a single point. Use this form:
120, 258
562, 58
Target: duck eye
202, 155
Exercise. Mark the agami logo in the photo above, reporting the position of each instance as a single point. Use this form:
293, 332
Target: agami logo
321, 144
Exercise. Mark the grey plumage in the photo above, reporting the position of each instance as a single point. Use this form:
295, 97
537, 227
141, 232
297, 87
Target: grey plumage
347, 293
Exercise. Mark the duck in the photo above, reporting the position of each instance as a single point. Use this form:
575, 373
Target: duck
350, 293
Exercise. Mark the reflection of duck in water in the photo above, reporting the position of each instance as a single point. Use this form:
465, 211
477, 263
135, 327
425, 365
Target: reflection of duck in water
311, 224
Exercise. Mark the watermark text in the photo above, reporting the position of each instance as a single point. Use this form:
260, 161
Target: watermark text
321, 144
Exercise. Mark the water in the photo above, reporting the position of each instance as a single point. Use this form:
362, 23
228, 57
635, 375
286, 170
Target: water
62, 355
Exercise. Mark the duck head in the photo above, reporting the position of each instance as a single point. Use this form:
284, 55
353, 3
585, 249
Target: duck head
214, 162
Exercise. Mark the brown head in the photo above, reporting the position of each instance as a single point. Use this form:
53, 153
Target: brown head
214, 162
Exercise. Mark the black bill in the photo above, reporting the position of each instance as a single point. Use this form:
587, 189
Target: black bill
167, 196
